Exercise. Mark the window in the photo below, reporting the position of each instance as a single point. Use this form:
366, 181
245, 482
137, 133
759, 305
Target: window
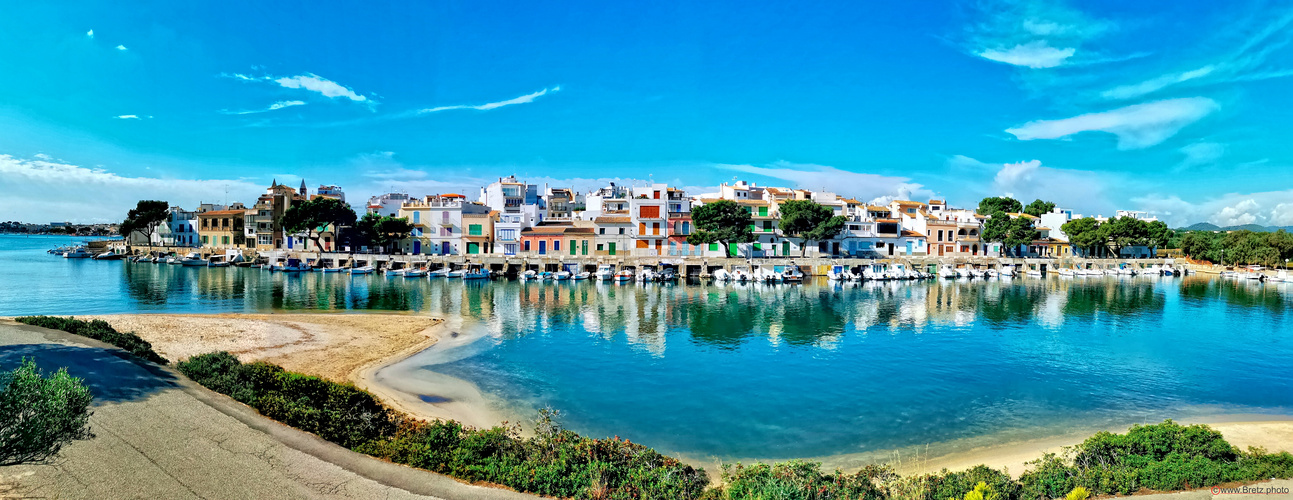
600, 247
621, 230
224, 240
655, 228
713, 247
527, 245
642, 228
601, 230
206, 239
767, 226
417, 217
879, 244
556, 245
473, 230
763, 211
585, 248
649, 212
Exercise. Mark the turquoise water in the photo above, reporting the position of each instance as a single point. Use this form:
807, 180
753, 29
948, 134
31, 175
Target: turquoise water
778, 371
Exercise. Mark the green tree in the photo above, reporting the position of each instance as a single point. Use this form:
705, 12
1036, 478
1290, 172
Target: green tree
724, 222
144, 219
994, 204
317, 216
996, 228
1039, 207
809, 221
1021, 233
383, 230
1084, 234
1124, 232
1202, 245
39, 415
1158, 235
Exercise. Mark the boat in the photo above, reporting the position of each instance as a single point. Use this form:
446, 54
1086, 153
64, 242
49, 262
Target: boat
546, 276
645, 275
417, 272
977, 273
529, 274
361, 270
476, 274
77, 253
1281, 276
193, 260
837, 273
394, 272
1067, 271
668, 275
946, 271
561, 275
110, 256
992, 273
290, 266
328, 269
766, 275
605, 272
582, 276
439, 273
218, 261
740, 275
59, 251
1033, 273
1008, 271
1168, 270
624, 275
722, 275
456, 273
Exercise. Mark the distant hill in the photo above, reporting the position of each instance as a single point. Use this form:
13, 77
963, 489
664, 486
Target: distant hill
1204, 226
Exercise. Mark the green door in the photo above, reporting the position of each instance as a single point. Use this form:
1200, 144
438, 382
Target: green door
584, 247
611, 247
785, 248
732, 250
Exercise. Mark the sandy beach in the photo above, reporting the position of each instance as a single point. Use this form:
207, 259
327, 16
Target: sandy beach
333, 346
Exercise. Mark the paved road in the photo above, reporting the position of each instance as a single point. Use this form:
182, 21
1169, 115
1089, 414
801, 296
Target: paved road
159, 435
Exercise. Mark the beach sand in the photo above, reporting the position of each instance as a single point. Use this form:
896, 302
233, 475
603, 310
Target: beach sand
333, 346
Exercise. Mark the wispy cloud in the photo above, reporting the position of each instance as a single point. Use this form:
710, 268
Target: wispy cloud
1083, 190
271, 107
1137, 126
527, 98
316, 83
1032, 34
31, 183
127, 117
1035, 54
1200, 153
123, 47
90, 33
1152, 85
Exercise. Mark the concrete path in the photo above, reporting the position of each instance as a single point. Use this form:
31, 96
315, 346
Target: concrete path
159, 435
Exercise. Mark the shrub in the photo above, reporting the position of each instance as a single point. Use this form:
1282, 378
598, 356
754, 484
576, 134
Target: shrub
800, 480
982, 491
38, 415
98, 330
1078, 493
955, 485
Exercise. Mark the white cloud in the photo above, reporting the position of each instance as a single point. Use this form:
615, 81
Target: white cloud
316, 83
527, 98
121, 47
90, 33
1263, 208
40, 190
1155, 84
863, 186
1201, 153
272, 107
1136, 126
1032, 33
127, 117
1036, 54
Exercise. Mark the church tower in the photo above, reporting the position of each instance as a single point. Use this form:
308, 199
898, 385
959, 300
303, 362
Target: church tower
303, 193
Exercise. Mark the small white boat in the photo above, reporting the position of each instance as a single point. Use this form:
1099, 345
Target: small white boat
582, 276
722, 275
946, 271
605, 272
1033, 273
669, 274
645, 275
395, 272
456, 273
992, 273
218, 261
962, 272
792, 274
361, 270
417, 272
740, 275
977, 273
1281, 276
77, 253
439, 273
545, 276
110, 255
561, 275
193, 260
529, 275
624, 275
291, 266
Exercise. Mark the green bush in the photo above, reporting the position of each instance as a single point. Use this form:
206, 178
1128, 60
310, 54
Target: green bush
39, 415
955, 485
799, 480
555, 462
340, 413
98, 330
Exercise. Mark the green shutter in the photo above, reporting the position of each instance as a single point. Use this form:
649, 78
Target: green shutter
713, 247
763, 211
572, 247
611, 248
473, 247
785, 248
767, 226
758, 246
585, 247
473, 230
732, 250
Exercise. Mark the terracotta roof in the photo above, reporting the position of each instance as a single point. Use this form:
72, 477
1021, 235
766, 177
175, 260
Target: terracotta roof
612, 220
876, 207
887, 220
545, 230
1043, 229
912, 233
778, 190
452, 195
906, 202
937, 202
851, 201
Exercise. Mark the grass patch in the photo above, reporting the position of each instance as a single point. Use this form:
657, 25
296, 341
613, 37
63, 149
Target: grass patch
98, 330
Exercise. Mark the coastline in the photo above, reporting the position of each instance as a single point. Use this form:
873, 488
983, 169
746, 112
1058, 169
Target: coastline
400, 376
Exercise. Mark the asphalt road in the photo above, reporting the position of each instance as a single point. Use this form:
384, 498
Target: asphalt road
159, 435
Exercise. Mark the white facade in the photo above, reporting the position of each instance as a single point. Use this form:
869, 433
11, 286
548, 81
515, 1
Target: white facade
387, 204
437, 224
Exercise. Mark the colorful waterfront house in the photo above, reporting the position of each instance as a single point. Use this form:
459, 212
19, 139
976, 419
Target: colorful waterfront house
648, 213
478, 235
680, 223
387, 204
268, 218
613, 236
507, 232
558, 240
221, 228
940, 236
437, 224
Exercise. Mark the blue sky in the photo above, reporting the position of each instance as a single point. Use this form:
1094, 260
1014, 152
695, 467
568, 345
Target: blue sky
1180, 108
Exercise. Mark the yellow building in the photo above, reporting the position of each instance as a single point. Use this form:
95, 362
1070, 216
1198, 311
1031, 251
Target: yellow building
221, 228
